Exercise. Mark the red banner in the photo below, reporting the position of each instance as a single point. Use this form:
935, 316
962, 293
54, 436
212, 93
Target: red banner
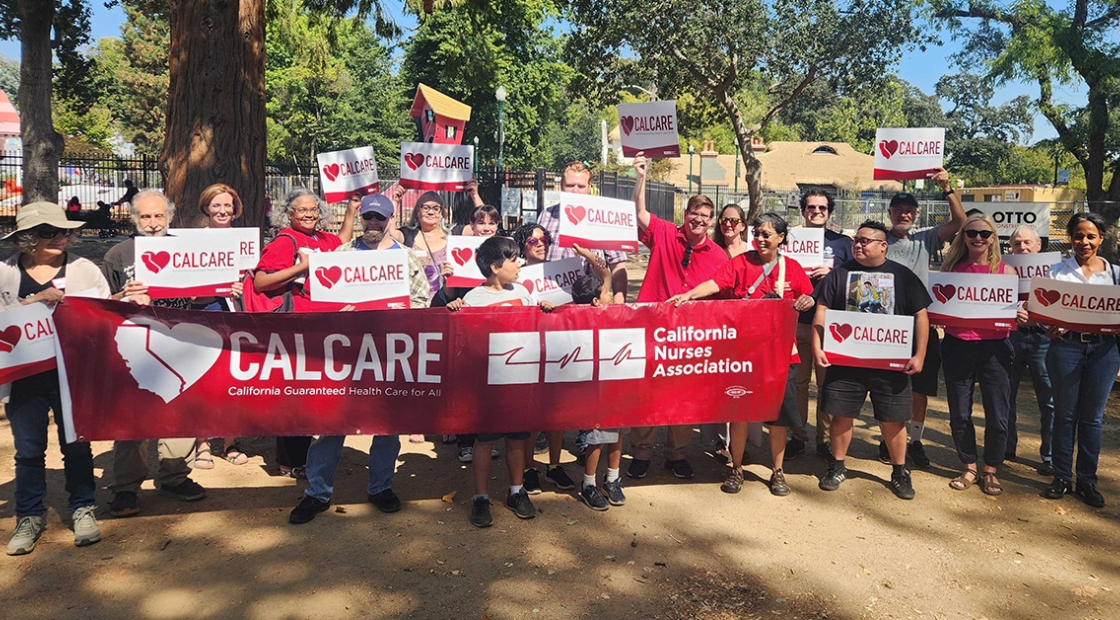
140, 372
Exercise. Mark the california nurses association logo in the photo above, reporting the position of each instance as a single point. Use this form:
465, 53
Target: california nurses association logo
567, 356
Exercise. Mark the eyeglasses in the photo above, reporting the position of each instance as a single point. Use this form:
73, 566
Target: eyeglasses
734, 221
696, 215
816, 208
430, 208
983, 234
373, 215
687, 258
866, 241
50, 232
303, 212
534, 241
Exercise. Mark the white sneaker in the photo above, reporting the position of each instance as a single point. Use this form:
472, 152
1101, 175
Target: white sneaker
28, 530
86, 529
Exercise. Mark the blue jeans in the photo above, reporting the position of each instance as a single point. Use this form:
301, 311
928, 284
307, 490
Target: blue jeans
1082, 375
325, 452
966, 362
28, 416
1030, 352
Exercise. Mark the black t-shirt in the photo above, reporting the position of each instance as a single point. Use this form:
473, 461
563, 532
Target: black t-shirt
889, 288
837, 247
28, 287
119, 268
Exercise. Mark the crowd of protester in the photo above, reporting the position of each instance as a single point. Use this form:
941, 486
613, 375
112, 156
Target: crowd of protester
882, 269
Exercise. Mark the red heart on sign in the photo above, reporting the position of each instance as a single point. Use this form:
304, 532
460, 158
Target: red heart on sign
944, 292
414, 160
1047, 296
9, 338
840, 331
575, 214
331, 171
888, 147
155, 261
627, 123
329, 276
462, 255
528, 284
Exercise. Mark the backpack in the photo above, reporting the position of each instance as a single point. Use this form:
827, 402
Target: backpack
252, 300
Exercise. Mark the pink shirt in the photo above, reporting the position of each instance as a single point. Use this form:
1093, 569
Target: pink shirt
973, 333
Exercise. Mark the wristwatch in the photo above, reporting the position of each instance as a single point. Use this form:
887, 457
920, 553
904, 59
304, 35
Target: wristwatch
948, 192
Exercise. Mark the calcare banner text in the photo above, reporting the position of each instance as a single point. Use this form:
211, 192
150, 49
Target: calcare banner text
131, 372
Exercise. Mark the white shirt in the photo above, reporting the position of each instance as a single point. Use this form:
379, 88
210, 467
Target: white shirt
1069, 271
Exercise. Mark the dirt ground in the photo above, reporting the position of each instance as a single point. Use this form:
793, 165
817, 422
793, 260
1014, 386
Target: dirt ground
677, 549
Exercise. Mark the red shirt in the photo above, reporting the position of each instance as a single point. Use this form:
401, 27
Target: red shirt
280, 254
666, 276
737, 276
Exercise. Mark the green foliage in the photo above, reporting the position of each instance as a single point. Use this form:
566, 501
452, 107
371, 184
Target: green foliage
136, 77
574, 135
85, 128
9, 78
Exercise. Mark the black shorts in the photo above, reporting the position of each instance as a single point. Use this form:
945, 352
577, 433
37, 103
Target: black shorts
484, 437
925, 382
788, 416
845, 389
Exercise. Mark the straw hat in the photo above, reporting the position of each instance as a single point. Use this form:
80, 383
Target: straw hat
39, 213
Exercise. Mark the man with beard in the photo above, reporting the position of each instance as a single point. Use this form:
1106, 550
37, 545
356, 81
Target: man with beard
324, 454
151, 213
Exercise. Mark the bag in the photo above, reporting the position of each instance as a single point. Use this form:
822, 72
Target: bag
253, 300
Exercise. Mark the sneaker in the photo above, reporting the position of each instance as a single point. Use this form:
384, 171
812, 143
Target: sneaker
900, 484
824, 450
186, 491
734, 481
28, 531
306, 510
638, 468
1057, 489
613, 491
532, 481
466, 454
794, 448
680, 468
1046, 469
593, 498
541, 446
386, 501
1089, 494
917, 454
86, 530
480, 512
884, 453
124, 504
833, 477
778, 484
520, 504
494, 452
558, 477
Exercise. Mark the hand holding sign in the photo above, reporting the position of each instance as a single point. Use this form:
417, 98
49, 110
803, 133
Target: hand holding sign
649, 127
902, 153
597, 223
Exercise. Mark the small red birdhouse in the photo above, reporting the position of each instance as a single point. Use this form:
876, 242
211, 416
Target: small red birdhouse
440, 118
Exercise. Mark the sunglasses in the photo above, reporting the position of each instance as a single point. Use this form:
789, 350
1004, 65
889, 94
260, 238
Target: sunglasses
534, 241
50, 232
734, 221
373, 215
687, 258
816, 207
983, 234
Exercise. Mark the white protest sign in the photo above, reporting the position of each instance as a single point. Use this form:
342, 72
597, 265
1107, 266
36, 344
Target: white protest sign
464, 268
597, 223
1010, 215
26, 341
447, 167
201, 265
344, 173
552, 281
649, 127
511, 202
973, 300
369, 280
248, 241
908, 153
867, 340
804, 245
1031, 266
1076, 306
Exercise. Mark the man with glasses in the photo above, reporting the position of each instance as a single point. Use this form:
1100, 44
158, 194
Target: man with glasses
816, 209
680, 259
913, 250
899, 292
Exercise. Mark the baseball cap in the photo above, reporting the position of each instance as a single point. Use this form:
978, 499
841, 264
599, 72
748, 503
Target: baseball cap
904, 198
376, 203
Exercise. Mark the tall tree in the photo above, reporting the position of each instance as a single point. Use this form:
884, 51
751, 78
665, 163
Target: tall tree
714, 46
137, 73
980, 138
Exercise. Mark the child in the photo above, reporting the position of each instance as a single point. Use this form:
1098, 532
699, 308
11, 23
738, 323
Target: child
499, 260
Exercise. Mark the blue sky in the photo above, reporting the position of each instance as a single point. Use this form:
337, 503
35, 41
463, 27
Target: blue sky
922, 69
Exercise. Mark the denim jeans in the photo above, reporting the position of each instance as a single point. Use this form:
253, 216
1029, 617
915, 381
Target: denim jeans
965, 362
1030, 352
28, 416
325, 452
1082, 375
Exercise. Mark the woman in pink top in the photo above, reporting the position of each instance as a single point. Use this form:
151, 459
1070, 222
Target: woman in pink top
971, 355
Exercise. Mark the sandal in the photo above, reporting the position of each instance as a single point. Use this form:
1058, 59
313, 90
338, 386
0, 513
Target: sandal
989, 484
297, 472
236, 456
204, 462
964, 480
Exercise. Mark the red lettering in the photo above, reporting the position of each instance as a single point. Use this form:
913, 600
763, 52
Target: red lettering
202, 260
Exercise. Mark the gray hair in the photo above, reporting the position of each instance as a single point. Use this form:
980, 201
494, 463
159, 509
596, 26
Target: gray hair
155, 193
279, 217
25, 240
1025, 228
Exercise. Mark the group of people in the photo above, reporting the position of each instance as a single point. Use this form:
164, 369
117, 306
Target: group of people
883, 269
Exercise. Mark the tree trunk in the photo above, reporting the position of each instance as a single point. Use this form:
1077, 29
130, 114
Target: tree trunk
752, 168
215, 106
42, 145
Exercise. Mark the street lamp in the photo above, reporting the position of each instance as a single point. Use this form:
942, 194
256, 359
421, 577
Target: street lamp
691, 152
500, 95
